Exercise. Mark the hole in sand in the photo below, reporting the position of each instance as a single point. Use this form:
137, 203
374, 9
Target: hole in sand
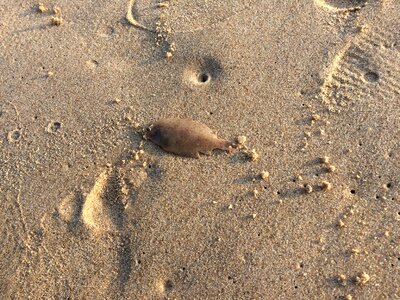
204, 78
54, 126
202, 71
14, 136
353, 191
371, 77
92, 64
168, 286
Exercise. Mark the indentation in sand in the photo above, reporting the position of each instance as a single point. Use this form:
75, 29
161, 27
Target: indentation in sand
367, 66
53, 127
341, 5
70, 209
202, 72
164, 286
92, 64
103, 207
14, 136
203, 14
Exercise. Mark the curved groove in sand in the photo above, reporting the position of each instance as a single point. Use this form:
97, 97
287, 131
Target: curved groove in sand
131, 19
337, 7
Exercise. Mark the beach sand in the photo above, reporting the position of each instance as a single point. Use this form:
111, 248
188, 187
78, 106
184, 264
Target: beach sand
91, 210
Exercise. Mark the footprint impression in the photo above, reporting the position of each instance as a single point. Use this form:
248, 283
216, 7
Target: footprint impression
93, 228
366, 67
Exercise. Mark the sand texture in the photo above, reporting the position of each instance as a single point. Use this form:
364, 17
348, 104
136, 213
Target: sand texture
307, 206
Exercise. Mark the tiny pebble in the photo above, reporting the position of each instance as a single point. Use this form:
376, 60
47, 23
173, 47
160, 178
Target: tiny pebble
326, 186
264, 175
241, 140
363, 278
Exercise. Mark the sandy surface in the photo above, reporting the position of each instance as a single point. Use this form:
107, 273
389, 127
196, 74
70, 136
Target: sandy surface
84, 215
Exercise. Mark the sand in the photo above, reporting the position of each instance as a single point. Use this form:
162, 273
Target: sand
90, 210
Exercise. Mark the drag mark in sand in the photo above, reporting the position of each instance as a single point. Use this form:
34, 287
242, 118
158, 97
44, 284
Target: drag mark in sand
341, 5
203, 12
131, 19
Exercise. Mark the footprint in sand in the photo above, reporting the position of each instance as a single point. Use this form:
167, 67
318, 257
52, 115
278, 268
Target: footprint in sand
94, 231
367, 67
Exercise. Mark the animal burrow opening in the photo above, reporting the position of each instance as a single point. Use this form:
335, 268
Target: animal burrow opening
204, 78
14, 136
371, 76
54, 126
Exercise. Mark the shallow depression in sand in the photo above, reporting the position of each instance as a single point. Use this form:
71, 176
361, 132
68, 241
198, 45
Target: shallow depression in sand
341, 4
202, 72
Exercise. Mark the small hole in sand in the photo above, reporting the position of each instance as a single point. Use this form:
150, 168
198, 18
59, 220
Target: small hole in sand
202, 71
278, 192
204, 77
211, 113
371, 77
92, 64
295, 286
54, 126
377, 197
168, 286
14, 136
389, 185
353, 191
